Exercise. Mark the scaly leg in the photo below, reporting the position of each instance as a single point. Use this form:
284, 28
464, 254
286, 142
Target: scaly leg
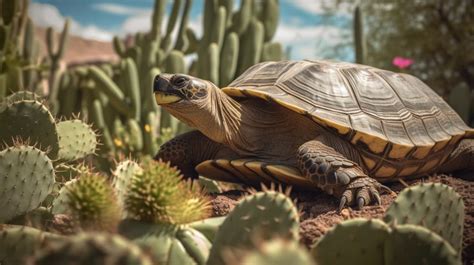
462, 158
187, 150
337, 175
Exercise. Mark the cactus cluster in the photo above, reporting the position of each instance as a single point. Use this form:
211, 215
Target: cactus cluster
29, 155
424, 225
118, 98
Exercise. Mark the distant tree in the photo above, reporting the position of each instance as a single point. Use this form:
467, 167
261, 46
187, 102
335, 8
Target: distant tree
438, 35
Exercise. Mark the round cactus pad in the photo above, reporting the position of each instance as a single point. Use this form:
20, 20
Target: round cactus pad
26, 179
76, 140
31, 121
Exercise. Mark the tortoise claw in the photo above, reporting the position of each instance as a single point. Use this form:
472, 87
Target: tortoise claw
361, 192
342, 204
360, 203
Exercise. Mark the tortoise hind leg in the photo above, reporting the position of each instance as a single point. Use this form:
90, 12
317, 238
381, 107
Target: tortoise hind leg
337, 175
462, 157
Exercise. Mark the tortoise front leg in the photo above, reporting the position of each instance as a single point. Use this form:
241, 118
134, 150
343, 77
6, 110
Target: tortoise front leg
187, 150
337, 175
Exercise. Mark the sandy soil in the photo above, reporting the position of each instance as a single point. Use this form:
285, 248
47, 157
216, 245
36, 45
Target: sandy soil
318, 210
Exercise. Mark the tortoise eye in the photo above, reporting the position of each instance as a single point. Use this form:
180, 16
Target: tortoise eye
179, 81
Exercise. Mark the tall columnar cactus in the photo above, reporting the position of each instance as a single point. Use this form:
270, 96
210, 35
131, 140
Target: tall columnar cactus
55, 53
264, 214
26, 178
359, 38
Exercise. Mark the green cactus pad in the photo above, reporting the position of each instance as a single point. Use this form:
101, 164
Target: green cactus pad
208, 227
357, 241
122, 176
413, 245
76, 140
29, 120
159, 195
20, 96
168, 244
26, 178
61, 202
93, 249
274, 252
435, 206
264, 214
92, 202
17, 243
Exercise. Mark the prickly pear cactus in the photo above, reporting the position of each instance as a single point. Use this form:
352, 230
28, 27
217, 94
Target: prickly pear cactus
435, 206
93, 249
357, 241
122, 176
159, 195
208, 227
372, 242
264, 214
29, 120
21, 95
412, 245
76, 140
61, 202
92, 203
273, 252
26, 178
168, 244
17, 243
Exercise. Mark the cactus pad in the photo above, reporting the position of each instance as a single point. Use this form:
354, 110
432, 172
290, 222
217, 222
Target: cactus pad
20, 96
17, 243
61, 202
26, 178
76, 140
434, 206
412, 244
123, 175
93, 249
263, 214
168, 244
357, 241
274, 252
29, 120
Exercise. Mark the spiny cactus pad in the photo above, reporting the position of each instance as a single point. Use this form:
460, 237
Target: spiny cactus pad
159, 195
29, 120
372, 242
92, 202
19, 242
21, 95
123, 175
357, 241
93, 249
26, 178
273, 252
263, 214
435, 206
168, 244
76, 140
61, 202
413, 245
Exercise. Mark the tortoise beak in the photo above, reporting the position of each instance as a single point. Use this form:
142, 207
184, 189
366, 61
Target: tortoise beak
164, 92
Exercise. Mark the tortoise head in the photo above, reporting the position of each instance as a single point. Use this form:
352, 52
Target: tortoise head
179, 89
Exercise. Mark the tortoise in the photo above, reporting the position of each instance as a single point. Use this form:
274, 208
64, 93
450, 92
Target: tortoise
342, 127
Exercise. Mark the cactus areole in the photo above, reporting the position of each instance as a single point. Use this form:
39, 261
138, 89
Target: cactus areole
341, 127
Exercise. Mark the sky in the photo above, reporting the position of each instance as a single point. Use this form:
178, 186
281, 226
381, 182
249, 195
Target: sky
302, 25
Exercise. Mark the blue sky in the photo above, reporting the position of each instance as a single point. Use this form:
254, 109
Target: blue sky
302, 24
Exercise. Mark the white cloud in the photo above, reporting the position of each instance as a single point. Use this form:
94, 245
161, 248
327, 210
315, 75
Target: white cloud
46, 15
318, 6
119, 9
137, 23
309, 42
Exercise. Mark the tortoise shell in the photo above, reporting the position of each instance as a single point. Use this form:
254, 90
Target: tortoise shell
388, 116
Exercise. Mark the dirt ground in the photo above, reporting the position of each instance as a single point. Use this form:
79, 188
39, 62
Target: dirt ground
318, 210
